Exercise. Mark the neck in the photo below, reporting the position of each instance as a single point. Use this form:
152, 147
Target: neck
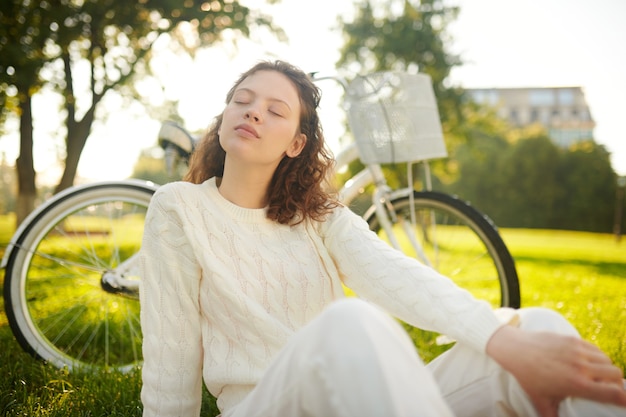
244, 186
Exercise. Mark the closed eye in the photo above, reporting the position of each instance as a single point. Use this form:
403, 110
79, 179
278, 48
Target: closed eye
242, 97
279, 109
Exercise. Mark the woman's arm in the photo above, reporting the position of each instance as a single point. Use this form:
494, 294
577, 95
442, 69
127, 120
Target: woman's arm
170, 316
406, 288
551, 367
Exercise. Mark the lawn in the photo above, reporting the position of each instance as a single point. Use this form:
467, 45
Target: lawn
582, 275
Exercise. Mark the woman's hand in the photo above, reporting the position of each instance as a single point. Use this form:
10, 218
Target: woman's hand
551, 367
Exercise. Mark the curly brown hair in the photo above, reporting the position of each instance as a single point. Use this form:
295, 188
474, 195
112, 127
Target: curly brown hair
299, 189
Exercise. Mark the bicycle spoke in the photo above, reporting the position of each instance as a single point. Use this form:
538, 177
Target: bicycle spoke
58, 305
61, 261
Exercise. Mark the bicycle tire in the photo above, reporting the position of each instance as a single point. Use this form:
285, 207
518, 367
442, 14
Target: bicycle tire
461, 243
55, 302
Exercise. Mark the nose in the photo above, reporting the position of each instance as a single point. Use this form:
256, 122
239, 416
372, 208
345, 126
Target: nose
253, 115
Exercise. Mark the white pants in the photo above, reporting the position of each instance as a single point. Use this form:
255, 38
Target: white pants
355, 361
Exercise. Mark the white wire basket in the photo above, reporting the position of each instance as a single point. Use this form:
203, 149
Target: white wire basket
394, 118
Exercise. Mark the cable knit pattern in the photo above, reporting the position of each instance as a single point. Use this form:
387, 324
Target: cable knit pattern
224, 288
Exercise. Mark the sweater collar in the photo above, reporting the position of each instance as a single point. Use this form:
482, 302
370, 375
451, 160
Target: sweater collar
236, 212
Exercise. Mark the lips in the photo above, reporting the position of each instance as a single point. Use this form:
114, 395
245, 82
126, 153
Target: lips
246, 130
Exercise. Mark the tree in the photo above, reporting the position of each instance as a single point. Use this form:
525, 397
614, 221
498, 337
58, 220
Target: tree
529, 170
407, 35
472, 164
24, 28
46, 43
404, 35
588, 185
522, 179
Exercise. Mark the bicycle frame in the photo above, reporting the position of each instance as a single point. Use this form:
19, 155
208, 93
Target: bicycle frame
382, 196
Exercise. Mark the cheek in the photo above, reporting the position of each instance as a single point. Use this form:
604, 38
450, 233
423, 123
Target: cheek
227, 114
221, 140
226, 122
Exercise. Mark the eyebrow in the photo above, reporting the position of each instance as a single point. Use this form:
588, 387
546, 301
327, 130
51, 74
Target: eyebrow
248, 90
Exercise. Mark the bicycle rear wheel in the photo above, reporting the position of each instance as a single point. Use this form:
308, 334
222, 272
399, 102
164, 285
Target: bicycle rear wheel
59, 306
459, 242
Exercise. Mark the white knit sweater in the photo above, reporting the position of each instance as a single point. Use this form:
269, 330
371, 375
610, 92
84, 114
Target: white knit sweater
224, 288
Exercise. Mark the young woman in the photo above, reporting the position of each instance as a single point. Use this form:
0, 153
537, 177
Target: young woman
243, 266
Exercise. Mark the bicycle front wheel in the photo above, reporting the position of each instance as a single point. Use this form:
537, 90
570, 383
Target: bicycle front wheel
456, 240
58, 304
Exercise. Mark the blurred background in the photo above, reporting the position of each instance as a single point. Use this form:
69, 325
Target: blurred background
530, 93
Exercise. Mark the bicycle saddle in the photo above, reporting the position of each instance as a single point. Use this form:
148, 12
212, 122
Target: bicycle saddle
172, 135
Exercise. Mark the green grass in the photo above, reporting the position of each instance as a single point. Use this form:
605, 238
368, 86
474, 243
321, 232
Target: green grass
581, 275
7, 228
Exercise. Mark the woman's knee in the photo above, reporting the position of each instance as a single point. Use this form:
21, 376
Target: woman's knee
349, 312
545, 319
349, 306
355, 321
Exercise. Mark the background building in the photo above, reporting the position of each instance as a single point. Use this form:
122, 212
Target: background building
563, 111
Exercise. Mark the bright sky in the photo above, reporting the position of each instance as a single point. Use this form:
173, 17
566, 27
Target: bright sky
504, 43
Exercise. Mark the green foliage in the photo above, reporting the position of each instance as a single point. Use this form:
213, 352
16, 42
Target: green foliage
528, 173
24, 29
112, 35
469, 172
588, 185
530, 182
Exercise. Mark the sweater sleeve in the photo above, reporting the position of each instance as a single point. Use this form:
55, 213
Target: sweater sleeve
406, 288
170, 314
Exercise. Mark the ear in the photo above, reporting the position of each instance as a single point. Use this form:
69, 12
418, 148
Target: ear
296, 146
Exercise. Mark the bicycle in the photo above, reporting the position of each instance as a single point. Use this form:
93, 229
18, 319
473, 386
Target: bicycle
71, 279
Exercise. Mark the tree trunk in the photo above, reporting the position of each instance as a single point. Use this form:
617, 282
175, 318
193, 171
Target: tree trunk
77, 134
26, 189
77, 131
